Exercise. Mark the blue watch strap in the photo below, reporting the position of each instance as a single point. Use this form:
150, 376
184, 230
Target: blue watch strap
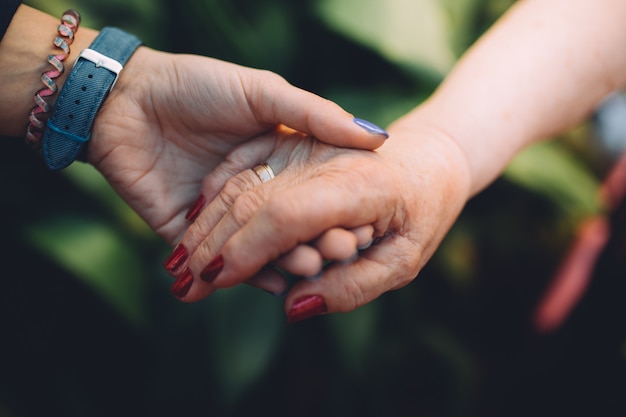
90, 81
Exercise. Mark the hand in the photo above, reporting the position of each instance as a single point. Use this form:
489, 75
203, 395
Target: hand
226, 183
411, 191
171, 119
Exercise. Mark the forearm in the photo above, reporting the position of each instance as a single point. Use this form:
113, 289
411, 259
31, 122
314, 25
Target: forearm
539, 71
23, 58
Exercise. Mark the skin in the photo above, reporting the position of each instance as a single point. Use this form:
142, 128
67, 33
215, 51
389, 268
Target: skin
561, 58
170, 120
340, 181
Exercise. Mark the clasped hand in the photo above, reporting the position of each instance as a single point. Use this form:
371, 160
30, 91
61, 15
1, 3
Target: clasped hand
180, 126
408, 193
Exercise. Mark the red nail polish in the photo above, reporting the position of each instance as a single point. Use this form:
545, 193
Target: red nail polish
176, 259
194, 211
212, 270
306, 307
181, 286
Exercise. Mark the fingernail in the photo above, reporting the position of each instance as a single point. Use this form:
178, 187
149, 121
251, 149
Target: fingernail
306, 307
194, 211
277, 294
351, 259
181, 286
367, 245
315, 277
212, 270
176, 259
371, 127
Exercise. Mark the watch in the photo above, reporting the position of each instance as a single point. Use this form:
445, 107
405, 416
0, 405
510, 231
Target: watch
90, 81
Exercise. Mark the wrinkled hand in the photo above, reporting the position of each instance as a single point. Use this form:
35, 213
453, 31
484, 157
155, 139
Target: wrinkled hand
411, 191
171, 119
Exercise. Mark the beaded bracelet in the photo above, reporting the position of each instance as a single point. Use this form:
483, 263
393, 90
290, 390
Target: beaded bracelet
70, 20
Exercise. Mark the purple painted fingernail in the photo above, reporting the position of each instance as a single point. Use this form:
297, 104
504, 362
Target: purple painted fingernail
371, 127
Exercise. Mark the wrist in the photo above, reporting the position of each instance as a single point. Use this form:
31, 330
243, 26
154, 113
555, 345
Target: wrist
133, 83
485, 147
418, 142
23, 59
135, 74
91, 78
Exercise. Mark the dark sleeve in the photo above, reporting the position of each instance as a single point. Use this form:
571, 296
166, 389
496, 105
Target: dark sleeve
7, 10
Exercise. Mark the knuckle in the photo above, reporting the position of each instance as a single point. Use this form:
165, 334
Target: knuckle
233, 189
280, 213
355, 297
270, 81
244, 207
406, 268
201, 256
272, 77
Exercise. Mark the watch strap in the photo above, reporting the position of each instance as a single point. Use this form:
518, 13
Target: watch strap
87, 86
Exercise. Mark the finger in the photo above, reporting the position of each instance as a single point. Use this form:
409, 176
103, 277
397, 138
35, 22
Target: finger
307, 260
260, 150
341, 245
265, 227
183, 282
310, 113
194, 244
303, 260
244, 158
219, 190
336, 244
226, 182
346, 287
270, 280
364, 236
208, 216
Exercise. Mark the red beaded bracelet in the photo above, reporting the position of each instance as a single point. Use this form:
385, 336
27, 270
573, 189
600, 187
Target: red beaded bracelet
70, 20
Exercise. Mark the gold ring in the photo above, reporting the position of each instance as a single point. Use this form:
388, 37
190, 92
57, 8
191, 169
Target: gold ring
264, 172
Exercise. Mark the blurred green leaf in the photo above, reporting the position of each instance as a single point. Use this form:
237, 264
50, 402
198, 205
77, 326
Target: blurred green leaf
355, 333
260, 36
461, 16
5, 412
457, 362
52, 7
548, 169
415, 34
140, 17
457, 256
245, 329
95, 254
380, 106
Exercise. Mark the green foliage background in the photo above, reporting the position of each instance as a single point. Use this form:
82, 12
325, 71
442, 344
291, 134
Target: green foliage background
89, 329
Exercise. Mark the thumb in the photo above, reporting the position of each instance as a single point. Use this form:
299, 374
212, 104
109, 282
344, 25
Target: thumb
311, 114
346, 287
